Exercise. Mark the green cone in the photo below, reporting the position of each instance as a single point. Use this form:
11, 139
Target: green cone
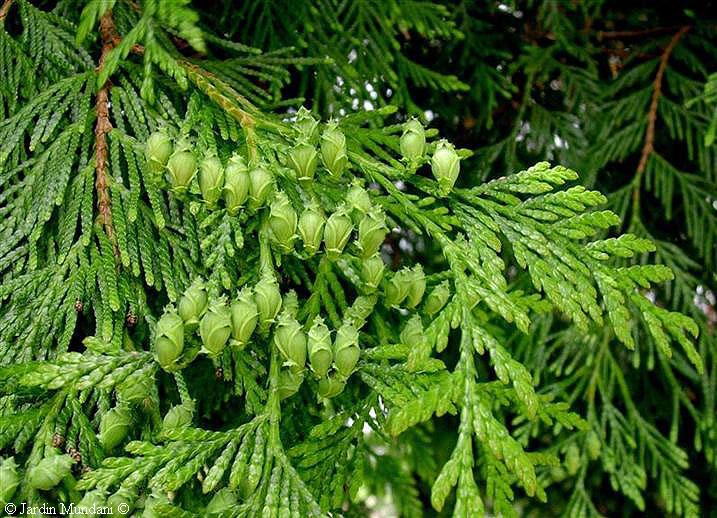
320, 351
215, 327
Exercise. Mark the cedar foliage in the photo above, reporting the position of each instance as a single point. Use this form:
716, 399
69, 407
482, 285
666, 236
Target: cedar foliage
527, 344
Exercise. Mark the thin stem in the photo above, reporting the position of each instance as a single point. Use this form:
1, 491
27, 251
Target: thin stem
7, 4
649, 144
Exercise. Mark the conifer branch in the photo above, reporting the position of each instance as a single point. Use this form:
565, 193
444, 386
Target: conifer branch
102, 127
649, 144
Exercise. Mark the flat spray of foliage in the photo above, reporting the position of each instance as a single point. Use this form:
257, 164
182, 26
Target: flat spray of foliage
210, 307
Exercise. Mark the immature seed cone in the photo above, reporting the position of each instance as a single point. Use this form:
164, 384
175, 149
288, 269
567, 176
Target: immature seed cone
261, 185
114, 427
290, 339
215, 327
303, 160
268, 299
244, 317
372, 270
307, 125
330, 386
412, 333
311, 228
413, 140
593, 445
371, 233
182, 167
437, 298
417, 287
572, 459
211, 180
397, 287
445, 165
346, 349
358, 200
337, 232
47, 473
169, 343
136, 390
158, 148
236, 184
289, 382
321, 354
9, 480
333, 149
282, 221
179, 416
193, 304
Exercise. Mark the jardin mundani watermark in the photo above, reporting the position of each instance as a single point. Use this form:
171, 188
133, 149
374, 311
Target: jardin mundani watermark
25, 509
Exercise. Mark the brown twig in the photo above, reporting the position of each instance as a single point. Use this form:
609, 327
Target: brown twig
605, 35
102, 127
649, 145
7, 4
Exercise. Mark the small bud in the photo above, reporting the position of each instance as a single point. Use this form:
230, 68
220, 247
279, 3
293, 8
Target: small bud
437, 298
268, 300
416, 287
412, 333
236, 184
179, 416
261, 184
319, 346
333, 149
330, 386
346, 349
445, 164
593, 444
193, 304
244, 317
358, 199
290, 339
215, 327
307, 125
182, 167
413, 141
47, 473
572, 459
114, 427
158, 148
211, 180
372, 270
371, 233
289, 382
169, 343
397, 287
311, 228
282, 221
79, 306
337, 232
303, 160
222, 501
9, 479
58, 441
131, 319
